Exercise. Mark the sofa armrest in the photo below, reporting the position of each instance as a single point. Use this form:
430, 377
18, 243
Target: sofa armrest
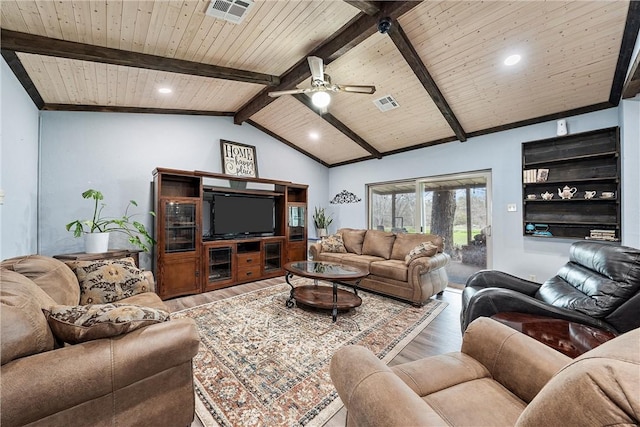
315, 250
148, 275
374, 395
93, 369
517, 361
426, 264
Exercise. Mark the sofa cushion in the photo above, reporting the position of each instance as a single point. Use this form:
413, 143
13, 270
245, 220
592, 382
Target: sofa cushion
422, 250
405, 242
353, 240
108, 280
80, 323
391, 268
333, 244
23, 327
378, 243
50, 274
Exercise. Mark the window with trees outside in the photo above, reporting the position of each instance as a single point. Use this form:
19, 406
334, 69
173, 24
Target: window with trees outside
455, 207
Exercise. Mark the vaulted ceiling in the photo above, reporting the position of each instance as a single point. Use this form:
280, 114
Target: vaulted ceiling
442, 61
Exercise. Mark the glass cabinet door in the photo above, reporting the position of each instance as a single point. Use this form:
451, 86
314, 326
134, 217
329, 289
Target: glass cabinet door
180, 226
272, 256
297, 218
220, 267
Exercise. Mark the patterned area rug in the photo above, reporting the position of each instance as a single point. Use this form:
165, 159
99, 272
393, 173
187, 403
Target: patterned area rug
262, 364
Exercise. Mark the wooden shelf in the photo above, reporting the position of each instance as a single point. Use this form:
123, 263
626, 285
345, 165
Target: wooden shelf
588, 161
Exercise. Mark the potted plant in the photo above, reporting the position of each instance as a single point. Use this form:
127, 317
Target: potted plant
99, 227
321, 221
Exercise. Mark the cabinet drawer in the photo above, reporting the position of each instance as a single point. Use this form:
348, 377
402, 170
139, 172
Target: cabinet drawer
248, 259
249, 272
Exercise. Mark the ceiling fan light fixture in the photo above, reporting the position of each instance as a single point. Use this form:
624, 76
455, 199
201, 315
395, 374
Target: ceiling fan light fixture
321, 99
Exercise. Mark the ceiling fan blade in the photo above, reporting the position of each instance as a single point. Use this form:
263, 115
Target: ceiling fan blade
317, 69
291, 92
356, 89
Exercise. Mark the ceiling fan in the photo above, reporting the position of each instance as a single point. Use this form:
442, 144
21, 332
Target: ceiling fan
321, 85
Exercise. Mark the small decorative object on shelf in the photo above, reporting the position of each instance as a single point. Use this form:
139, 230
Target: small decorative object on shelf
529, 228
607, 195
589, 194
541, 230
567, 192
542, 175
547, 196
609, 235
531, 196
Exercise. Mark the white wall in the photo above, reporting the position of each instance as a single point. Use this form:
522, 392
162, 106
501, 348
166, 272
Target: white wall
19, 168
499, 152
117, 152
630, 147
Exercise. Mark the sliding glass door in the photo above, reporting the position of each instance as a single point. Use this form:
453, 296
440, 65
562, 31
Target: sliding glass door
456, 207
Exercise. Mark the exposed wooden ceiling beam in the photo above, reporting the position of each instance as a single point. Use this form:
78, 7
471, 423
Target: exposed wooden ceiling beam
23, 77
143, 110
332, 120
369, 7
402, 42
39, 45
629, 38
286, 142
351, 34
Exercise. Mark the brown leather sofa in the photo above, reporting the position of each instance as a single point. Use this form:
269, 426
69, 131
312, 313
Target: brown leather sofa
141, 378
499, 378
383, 254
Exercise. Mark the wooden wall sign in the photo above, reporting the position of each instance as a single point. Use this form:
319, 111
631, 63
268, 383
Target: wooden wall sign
238, 159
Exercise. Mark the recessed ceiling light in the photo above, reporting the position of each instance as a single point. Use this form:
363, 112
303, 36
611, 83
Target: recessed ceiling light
314, 135
512, 60
164, 90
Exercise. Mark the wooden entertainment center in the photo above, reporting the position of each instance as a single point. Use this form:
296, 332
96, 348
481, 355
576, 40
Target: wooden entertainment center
188, 259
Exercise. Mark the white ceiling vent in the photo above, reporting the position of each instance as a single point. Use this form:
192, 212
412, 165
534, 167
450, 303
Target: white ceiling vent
229, 10
386, 103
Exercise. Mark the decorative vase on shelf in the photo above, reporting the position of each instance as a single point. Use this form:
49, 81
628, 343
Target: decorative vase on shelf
95, 243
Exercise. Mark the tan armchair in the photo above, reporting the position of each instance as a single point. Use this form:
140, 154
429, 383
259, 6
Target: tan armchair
499, 378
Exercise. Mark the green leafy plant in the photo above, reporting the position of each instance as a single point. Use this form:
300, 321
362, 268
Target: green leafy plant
124, 224
320, 219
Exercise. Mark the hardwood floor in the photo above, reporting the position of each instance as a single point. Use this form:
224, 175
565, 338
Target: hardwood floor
442, 335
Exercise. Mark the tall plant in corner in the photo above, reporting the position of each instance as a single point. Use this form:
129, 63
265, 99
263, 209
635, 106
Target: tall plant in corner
136, 231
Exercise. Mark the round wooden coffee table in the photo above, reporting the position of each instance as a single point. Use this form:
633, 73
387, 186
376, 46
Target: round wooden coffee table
325, 297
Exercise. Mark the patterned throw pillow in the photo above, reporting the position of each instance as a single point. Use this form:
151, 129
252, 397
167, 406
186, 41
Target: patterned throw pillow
79, 323
422, 250
108, 280
333, 244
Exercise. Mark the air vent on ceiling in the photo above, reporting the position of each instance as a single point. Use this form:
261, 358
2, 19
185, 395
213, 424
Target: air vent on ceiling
229, 10
386, 103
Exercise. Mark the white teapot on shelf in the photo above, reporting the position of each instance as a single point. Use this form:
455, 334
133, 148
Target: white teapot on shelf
567, 192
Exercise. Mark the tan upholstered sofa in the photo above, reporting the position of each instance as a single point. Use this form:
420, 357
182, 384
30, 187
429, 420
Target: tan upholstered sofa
384, 254
499, 378
142, 378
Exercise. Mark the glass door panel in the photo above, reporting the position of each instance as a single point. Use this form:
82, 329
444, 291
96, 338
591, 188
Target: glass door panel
220, 267
180, 226
272, 256
297, 218
456, 207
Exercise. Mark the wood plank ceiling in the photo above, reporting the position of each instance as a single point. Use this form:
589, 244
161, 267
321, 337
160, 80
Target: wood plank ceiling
441, 61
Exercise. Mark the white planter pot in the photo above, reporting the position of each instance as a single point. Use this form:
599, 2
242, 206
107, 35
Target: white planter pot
96, 243
322, 232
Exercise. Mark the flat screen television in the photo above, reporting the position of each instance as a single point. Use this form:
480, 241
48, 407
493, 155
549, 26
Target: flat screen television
237, 215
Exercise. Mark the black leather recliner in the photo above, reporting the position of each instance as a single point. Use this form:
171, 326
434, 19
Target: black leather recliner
599, 286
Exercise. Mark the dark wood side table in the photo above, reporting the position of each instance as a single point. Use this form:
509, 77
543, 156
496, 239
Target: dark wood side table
569, 338
110, 254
